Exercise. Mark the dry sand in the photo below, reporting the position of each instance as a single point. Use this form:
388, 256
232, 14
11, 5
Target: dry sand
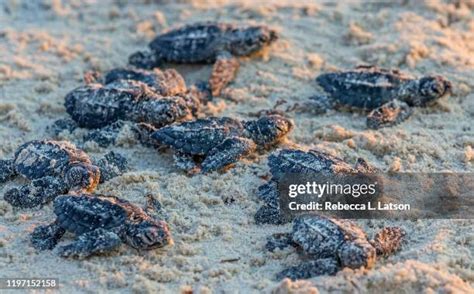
46, 46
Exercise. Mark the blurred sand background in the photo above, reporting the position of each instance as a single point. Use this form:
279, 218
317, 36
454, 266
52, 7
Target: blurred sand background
46, 46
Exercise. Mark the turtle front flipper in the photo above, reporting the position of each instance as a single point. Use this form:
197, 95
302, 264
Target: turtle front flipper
186, 162
38, 192
309, 269
388, 240
356, 254
91, 243
223, 72
154, 208
144, 60
112, 165
46, 237
61, 125
106, 136
142, 132
228, 152
389, 114
7, 170
270, 212
318, 104
279, 241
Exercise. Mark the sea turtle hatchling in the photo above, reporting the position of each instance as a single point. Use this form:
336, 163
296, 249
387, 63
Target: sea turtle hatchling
157, 98
294, 161
206, 42
330, 244
101, 224
217, 142
387, 94
132, 97
54, 168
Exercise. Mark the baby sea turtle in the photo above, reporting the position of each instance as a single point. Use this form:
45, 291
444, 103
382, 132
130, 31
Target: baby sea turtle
387, 94
331, 244
130, 97
207, 42
294, 161
54, 168
101, 223
157, 99
217, 142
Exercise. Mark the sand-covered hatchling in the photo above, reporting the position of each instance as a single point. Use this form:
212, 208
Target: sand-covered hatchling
54, 168
206, 42
213, 143
101, 224
330, 244
294, 161
132, 97
387, 94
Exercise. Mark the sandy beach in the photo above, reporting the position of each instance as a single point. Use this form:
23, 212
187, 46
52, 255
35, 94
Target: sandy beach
47, 46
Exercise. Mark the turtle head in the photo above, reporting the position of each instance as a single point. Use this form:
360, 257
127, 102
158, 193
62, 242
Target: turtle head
148, 234
268, 129
431, 88
82, 177
251, 39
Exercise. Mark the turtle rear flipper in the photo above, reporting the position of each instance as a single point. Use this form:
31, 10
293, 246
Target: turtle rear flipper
91, 243
46, 237
113, 164
37, 193
309, 269
7, 170
388, 240
389, 114
229, 152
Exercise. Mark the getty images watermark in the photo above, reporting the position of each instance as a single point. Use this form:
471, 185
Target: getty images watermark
403, 195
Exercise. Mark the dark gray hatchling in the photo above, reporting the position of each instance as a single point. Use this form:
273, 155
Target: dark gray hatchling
206, 42
217, 142
328, 245
130, 97
54, 168
294, 161
101, 224
387, 94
